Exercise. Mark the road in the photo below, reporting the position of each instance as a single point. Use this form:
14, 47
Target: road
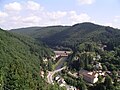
58, 68
50, 74
50, 79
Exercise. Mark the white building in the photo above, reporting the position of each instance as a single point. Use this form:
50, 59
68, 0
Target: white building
57, 78
91, 77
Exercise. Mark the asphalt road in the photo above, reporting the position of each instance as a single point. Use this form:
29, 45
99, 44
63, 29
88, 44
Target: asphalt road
58, 69
50, 74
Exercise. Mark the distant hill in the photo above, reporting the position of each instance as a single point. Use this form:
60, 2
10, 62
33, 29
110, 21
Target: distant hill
76, 34
21, 62
40, 32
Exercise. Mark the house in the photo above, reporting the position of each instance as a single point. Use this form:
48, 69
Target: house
101, 73
61, 81
57, 78
90, 77
72, 88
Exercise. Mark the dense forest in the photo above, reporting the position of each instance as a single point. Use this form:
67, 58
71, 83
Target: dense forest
40, 32
71, 36
21, 63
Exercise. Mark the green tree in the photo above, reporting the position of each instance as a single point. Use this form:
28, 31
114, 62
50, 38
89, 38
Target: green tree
82, 86
104, 68
49, 65
108, 82
81, 64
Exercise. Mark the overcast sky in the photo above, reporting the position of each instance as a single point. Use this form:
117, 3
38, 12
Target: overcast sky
25, 13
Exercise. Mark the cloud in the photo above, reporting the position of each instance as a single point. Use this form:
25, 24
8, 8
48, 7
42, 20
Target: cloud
16, 18
109, 24
116, 19
83, 2
83, 17
33, 16
15, 6
34, 6
31, 19
3, 14
56, 15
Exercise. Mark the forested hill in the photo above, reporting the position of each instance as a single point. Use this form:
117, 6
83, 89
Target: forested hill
84, 32
40, 32
20, 61
79, 33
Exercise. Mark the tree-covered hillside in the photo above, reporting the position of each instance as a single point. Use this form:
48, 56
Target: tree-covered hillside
40, 32
83, 32
76, 34
21, 62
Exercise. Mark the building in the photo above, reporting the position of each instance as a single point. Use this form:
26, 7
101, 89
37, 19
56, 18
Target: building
72, 88
90, 77
59, 54
57, 78
62, 53
60, 81
101, 73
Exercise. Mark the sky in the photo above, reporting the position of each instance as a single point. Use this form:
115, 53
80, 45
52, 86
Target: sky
28, 13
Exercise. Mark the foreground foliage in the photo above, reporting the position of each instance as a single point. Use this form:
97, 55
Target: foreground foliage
21, 63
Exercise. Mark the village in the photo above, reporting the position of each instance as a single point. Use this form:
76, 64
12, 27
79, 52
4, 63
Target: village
90, 77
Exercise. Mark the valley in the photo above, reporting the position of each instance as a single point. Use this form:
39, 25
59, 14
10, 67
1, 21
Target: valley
59, 45
83, 56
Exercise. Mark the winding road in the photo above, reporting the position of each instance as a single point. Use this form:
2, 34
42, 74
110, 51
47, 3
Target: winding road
50, 74
58, 68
